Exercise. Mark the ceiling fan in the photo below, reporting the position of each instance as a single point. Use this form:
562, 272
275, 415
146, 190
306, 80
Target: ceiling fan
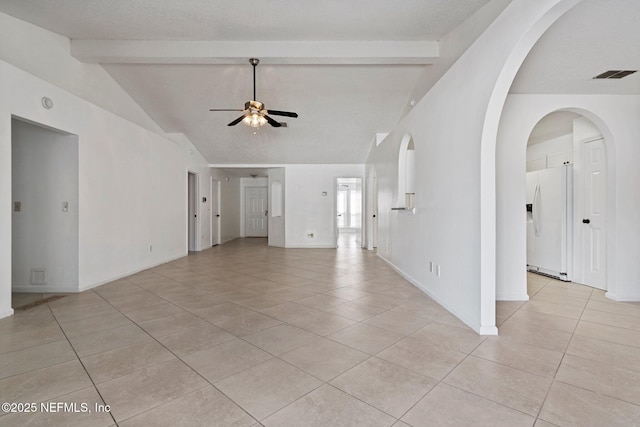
255, 114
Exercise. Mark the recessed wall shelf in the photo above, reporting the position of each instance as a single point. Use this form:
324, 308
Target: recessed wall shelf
412, 210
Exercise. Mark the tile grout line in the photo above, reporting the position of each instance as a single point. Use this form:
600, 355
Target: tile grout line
95, 387
182, 361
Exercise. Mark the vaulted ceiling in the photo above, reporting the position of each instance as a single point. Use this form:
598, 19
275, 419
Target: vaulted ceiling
347, 68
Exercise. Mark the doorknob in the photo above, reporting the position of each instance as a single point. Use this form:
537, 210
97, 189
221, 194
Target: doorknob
586, 221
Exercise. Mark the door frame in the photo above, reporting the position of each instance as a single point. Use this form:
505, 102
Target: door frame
580, 230
335, 209
214, 217
371, 201
193, 223
244, 208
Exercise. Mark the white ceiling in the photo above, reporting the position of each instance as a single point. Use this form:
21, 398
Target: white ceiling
552, 125
245, 20
593, 37
347, 68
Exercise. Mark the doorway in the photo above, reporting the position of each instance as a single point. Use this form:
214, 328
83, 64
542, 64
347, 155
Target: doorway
45, 209
192, 211
371, 226
256, 211
348, 212
214, 196
573, 142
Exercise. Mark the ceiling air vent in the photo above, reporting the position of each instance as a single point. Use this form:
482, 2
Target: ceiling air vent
614, 74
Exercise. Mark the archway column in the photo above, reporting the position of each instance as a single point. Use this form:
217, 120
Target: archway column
548, 13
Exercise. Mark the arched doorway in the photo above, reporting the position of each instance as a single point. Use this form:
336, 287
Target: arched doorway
566, 153
590, 136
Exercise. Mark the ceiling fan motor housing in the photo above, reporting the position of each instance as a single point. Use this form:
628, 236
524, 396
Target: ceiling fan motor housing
254, 105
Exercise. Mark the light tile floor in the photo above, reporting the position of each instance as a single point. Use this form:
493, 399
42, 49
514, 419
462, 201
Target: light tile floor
247, 335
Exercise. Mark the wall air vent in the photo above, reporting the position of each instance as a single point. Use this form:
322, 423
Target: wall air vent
614, 74
38, 276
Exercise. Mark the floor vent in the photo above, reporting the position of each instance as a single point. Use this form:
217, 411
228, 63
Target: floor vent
614, 74
38, 276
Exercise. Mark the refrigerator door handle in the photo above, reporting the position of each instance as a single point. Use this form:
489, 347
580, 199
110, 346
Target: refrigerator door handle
534, 210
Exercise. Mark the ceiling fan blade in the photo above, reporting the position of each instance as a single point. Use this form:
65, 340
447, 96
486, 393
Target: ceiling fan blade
238, 120
222, 109
272, 122
283, 113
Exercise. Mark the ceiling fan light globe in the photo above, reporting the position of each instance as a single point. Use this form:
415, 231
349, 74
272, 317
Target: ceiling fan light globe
254, 120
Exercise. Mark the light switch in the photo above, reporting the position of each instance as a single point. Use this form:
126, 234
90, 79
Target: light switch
17, 206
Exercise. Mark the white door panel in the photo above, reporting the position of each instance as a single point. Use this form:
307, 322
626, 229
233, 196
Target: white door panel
215, 212
256, 212
594, 231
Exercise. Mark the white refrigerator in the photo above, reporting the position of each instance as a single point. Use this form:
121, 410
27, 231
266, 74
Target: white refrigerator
549, 221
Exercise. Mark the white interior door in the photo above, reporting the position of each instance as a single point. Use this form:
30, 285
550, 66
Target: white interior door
594, 221
192, 214
374, 222
215, 212
255, 207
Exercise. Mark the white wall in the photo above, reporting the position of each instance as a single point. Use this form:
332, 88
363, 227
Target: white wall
196, 163
45, 174
452, 45
453, 129
132, 182
48, 55
616, 117
229, 207
277, 223
307, 210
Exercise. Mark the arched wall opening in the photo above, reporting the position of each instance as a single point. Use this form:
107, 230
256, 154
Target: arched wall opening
406, 173
489, 181
520, 118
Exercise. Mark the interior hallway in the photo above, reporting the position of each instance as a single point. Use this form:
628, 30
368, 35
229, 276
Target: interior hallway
244, 333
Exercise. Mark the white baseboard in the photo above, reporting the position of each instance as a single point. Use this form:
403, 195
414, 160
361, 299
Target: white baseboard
131, 273
311, 247
512, 297
488, 330
622, 298
44, 289
482, 330
222, 242
7, 313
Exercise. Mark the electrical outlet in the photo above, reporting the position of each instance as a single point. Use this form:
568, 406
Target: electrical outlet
310, 235
65, 206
